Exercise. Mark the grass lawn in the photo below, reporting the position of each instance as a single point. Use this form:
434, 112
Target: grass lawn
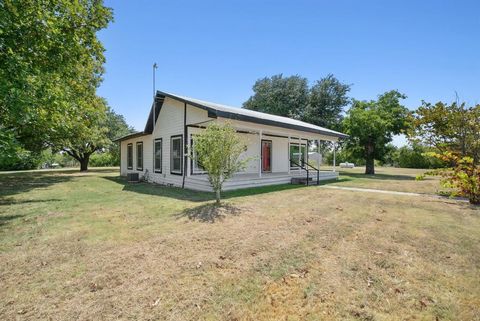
389, 178
77, 246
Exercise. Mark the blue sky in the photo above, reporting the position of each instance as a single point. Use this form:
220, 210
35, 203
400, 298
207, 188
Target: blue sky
215, 50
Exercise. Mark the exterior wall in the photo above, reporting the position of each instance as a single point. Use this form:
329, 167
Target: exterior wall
170, 123
147, 155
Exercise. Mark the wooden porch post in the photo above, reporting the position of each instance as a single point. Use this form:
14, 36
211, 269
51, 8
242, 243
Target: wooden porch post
299, 153
334, 148
288, 148
318, 151
260, 158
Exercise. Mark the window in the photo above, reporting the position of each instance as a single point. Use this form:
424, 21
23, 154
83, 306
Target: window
129, 156
176, 154
297, 154
139, 156
158, 155
196, 168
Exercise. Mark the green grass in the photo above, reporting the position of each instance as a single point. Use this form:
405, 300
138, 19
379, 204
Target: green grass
92, 246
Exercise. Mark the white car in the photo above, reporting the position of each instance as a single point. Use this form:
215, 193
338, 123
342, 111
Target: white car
347, 165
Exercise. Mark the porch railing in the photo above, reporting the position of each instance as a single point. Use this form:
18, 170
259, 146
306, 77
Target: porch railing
306, 168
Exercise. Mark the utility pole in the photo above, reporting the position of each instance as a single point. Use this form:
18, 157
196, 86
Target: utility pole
154, 94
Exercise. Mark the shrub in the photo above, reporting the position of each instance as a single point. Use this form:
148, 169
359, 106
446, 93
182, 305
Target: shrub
218, 149
102, 160
463, 177
416, 156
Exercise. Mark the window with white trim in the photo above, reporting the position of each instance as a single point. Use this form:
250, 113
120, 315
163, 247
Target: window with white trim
157, 155
176, 154
139, 156
130, 156
297, 154
196, 167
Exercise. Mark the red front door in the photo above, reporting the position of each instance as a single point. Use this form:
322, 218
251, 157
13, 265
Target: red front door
266, 156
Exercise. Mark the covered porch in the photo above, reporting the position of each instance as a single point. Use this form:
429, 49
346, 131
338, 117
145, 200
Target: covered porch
276, 156
247, 180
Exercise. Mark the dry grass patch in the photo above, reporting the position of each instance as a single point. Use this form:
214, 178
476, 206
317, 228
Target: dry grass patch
105, 250
390, 178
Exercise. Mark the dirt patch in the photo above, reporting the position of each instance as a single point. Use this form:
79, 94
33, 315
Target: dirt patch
303, 254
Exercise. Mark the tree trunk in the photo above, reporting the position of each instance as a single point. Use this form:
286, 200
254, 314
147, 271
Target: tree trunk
370, 161
217, 197
84, 164
474, 199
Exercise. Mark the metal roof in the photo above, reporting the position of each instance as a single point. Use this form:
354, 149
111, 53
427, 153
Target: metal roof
250, 115
219, 110
128, 136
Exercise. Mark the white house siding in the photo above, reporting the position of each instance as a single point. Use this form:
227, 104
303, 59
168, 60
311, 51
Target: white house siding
170, 123
147, 155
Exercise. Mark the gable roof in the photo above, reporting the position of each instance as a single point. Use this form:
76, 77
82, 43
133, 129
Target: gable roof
219, 110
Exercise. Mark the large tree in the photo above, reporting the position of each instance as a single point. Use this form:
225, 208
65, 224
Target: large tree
84, 135
327, 99
372, 125
452, 128
51, 63
278, 95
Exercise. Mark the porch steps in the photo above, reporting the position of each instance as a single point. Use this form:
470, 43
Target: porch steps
301, 180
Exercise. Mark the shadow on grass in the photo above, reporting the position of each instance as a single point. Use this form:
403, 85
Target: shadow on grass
210, 213
196, 196
12, 183
17, 183
161, 190
12, 201
379, 176
7, 218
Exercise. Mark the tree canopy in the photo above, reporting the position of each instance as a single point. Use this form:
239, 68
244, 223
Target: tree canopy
51, 63
278, 95
372, 124
322, 104
327, 99
454, 128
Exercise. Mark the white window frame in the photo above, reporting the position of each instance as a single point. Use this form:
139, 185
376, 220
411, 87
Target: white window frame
172, 170
155, 168
137, 154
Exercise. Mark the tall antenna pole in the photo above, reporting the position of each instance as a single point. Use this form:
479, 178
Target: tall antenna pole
154, 104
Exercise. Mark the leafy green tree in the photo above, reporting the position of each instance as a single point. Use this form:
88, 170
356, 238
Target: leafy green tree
51, 63
454, 132
451, 128
463, 177
116, 127
372, 125
278, 95
85, 135
218, 149
12, 154
327, 98
416, 155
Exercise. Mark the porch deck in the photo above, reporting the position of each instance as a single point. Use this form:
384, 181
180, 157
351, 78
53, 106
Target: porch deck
247, 180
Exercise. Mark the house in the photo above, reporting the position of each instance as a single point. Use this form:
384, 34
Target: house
277, 146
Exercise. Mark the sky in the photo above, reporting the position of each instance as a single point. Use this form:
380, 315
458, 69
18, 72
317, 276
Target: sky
216, 50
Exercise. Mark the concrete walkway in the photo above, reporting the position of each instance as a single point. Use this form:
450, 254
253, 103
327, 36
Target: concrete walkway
381, 191
360, 189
